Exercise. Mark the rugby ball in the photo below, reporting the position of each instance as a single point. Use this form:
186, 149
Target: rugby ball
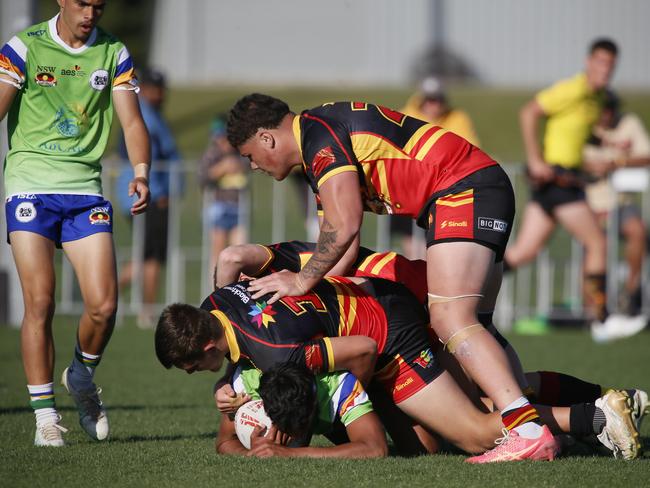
248, 416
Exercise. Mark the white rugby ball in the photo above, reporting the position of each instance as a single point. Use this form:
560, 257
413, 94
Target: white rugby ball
248, 416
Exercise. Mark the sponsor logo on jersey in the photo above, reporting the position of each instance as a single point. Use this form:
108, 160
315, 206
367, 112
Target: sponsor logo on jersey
313, 358
25, 212
495, 225
262, 314
239, 291
45, 79
70, 123
99, 79
425, 360
56, 147
453, 223
73, 71
25, 196
99, 216
36, 33
45, 68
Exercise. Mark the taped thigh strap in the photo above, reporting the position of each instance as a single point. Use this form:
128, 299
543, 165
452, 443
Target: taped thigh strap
459, 336
440, 299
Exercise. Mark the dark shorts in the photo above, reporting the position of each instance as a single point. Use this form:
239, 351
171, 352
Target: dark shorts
553, 195
408, 361
155, 236
401, 225
479, 208
59, 217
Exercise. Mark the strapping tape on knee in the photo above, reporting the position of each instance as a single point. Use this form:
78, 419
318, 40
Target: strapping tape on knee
459, 336
440, 299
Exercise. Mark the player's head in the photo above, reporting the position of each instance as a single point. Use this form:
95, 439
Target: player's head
289, 394
601, 62
153, 86
259, 127
187, 337
434, 99
81, 16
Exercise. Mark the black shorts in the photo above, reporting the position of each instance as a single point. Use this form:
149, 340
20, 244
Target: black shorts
554, 194
408, 361
401, 225
479, 208
155, 236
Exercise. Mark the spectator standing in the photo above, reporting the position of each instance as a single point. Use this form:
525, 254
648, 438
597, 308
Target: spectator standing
165, 157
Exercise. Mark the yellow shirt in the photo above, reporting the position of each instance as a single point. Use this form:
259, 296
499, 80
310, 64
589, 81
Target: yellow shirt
456, 121
572, 108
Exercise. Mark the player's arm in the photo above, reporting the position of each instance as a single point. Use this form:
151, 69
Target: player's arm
356, 354
137, 145
367, 440
250, 259
227, 441
342, 217
529, 118
345, 264
8, 92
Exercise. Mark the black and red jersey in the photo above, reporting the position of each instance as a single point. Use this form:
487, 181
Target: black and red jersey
298, 328
400, 161
293, 255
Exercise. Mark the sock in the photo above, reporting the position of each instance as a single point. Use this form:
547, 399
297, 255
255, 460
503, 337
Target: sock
595, 296
563, 390
485, 318
41, 399
521, 416
82, 369
586, 419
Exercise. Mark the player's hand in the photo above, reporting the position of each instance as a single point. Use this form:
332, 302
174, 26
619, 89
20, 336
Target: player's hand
281, 284
228, 401
139, 186
268, 444
540, 172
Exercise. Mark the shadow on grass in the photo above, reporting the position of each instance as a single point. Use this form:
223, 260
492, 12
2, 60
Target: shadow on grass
156, 438
111, 408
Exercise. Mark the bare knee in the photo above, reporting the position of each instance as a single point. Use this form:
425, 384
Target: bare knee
103, 312
39, 307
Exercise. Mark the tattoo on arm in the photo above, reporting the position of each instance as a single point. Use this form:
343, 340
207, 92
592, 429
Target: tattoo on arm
327, 254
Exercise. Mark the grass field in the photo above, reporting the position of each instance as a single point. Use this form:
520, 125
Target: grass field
164, 424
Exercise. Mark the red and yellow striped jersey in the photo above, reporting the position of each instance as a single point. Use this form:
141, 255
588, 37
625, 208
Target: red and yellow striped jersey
401, 161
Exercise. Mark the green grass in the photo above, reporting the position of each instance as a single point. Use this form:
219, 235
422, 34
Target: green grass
164, 423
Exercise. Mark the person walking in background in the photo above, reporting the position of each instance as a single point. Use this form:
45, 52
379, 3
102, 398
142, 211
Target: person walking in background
619, 140
223, 175
570, 107
164, 155
59, 81
431, 104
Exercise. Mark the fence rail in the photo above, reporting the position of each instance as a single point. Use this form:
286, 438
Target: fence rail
551, 286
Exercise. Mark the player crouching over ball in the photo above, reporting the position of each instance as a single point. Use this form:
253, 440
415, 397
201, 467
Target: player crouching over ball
300, 404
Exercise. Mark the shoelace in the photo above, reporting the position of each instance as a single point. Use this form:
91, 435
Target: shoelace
501, 441
51, 431
91, 402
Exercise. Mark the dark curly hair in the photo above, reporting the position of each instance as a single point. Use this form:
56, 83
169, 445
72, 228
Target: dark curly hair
252, 112
289, 394
182, 332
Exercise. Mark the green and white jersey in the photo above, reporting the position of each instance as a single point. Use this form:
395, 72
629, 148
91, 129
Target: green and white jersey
60, 120
340, 396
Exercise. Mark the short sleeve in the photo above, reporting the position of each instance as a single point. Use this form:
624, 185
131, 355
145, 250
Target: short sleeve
13, 57
351, 400
124, 78
560, 96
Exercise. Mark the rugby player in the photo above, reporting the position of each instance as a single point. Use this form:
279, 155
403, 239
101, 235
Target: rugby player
59, 81
545, 387
301, 404
359, 156
322, 330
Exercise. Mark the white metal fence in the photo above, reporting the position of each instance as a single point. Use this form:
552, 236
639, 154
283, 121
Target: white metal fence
551, 286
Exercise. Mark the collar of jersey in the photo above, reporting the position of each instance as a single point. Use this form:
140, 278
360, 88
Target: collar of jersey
231, 339
297, 134
74, 50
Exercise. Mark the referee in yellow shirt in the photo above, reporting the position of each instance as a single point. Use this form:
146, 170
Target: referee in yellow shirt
571, 107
